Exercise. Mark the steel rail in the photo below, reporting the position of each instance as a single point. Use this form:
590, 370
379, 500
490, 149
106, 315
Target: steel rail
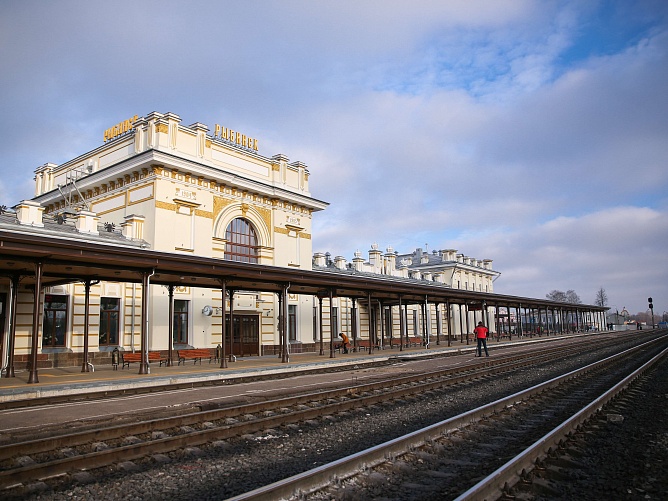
349, 466
107, 393
11, 477
494, 485
455, 376
111, 393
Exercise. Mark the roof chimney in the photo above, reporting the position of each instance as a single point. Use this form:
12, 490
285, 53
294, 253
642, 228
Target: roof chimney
29, 212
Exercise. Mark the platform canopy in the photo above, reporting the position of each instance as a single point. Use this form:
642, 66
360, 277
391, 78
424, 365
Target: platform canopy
68, 261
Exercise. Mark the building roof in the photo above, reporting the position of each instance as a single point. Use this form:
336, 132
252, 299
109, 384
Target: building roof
350, 270
62, 227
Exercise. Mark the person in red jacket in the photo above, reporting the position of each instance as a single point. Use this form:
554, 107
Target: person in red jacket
481, 334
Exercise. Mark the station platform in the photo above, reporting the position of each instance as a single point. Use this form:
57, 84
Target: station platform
71, 380
104, 378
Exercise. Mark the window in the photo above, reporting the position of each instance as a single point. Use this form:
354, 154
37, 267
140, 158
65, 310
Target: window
241, 242
109, 320
316, 327
335, 322
388, 323
181, 321
416, 323
55, 320
292, 322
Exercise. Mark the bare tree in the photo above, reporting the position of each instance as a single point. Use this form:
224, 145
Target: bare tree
601, 298
572, 297
564, 297
556, 295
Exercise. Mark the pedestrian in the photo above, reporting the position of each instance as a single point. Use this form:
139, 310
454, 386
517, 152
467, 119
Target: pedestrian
344, 342
481, 334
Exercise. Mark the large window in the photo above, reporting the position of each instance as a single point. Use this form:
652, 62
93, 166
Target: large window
241, 242
55, 320
109, 320
181, 321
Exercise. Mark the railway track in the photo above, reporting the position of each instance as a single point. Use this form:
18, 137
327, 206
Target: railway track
29, 461
95, 448
505, 438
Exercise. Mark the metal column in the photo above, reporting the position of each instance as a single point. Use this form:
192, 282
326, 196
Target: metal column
33, 377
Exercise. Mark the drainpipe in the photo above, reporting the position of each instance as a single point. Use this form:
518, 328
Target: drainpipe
8, 370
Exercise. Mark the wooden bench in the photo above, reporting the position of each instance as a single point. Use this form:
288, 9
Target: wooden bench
411, 341
153, 356
364, 344
195, 355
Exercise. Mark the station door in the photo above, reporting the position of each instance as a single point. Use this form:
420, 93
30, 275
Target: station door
246, 336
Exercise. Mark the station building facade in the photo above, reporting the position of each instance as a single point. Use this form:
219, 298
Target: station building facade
448, 268
188, 190
157, 184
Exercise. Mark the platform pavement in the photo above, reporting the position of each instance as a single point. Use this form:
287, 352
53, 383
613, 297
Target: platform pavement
70, 380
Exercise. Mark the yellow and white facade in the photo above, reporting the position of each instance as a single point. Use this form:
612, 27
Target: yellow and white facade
190, 190
448, 268
208, 192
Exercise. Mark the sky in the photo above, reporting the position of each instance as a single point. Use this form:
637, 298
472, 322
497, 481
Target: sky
532, 133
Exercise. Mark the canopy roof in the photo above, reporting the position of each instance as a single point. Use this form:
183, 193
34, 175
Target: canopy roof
74, 260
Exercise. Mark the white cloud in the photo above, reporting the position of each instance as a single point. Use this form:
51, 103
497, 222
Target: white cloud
620, 249
521, 131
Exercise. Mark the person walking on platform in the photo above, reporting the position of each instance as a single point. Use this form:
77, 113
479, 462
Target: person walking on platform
344, 342
481, 334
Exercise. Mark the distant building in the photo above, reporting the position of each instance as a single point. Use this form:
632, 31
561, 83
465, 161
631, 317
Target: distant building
447, 268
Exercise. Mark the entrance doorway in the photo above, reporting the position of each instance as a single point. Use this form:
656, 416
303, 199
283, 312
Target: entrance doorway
245, 340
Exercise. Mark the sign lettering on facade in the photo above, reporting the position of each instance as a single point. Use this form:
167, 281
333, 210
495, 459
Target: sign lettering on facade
235, 137
185, 194
120, 128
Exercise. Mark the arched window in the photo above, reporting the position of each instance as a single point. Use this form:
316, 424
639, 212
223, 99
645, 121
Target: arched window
241, 242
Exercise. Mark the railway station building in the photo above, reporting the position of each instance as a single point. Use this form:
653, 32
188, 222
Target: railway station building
186, 190
194, 191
